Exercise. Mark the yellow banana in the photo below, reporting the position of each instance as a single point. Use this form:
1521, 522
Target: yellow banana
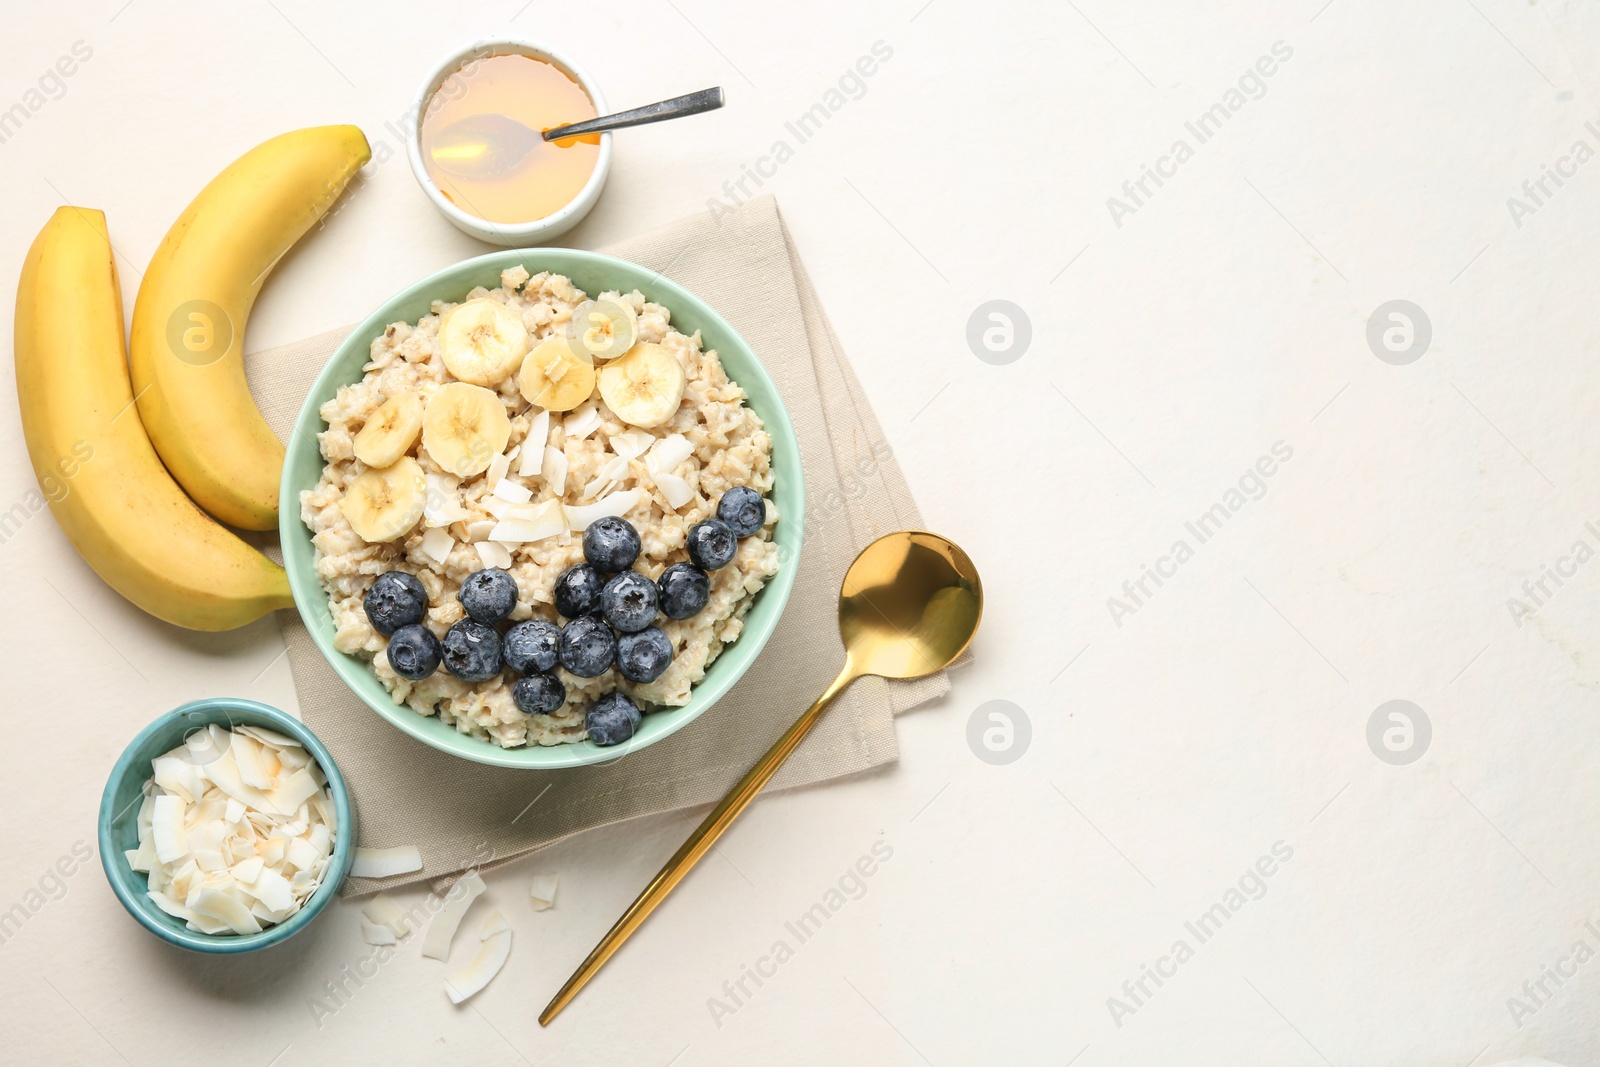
187, 350
114, 500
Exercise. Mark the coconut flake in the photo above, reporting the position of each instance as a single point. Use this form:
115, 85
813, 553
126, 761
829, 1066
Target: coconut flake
383, 910
582, 422
618, 504
374, 934
293, 791
300, 855
494, 924
386, 862
667, 453
614, 471
248, 870
225, 909
532, 457
442, 501
437, 544
179, 776
512, 492
257, 768
270, 738
167, 829
273, 890
555, 469
632, 444
225, 774
170, 906
542, 891
493, 554
497, 470
545, 519
479, 530
674, 490
442, 930
492, 954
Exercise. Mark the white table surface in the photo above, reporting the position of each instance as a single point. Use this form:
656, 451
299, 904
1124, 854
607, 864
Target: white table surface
1168, 753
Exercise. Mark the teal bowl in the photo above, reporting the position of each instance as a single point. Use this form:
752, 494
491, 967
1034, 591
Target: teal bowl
593, 273
119, 814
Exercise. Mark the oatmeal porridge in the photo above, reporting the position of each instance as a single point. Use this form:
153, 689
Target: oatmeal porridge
541, 515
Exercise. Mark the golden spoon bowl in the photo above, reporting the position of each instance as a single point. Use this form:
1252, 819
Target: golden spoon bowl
910, 605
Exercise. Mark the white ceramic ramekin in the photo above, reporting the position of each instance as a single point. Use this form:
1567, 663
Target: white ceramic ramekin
521, 234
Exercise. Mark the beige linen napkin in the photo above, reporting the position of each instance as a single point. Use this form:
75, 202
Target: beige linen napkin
463, 814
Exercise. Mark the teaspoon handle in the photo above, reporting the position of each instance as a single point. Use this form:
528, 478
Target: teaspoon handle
698, 844
677, 107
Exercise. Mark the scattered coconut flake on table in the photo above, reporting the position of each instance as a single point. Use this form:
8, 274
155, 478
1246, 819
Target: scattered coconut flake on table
233, 830
386, 862
542, 892
494, 948
384, 911
494, 924
442, 930
378, 934
579, 516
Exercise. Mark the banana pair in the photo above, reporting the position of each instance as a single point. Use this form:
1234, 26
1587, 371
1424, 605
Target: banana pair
183, 430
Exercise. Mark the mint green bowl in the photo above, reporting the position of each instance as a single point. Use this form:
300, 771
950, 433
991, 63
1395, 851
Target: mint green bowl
593, 273
119, 821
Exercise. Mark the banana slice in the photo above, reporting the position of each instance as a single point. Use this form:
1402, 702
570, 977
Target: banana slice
464, 427
391, 431
482, 342
604, 328
385, 503
557, 375
644, 387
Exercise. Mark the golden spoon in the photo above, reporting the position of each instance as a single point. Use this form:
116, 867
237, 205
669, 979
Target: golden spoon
910, 605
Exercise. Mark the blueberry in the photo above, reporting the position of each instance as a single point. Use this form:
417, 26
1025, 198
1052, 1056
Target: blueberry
610, 544
685, 589
644, 656
587, 647
396, 599
628, 602
539, 694
472, 651
414, 652
488, 595
612, 719
530, 647
577, 591
741, 508
711, 544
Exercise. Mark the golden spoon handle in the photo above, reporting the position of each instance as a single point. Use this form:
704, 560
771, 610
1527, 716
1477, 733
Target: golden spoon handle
699, 843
